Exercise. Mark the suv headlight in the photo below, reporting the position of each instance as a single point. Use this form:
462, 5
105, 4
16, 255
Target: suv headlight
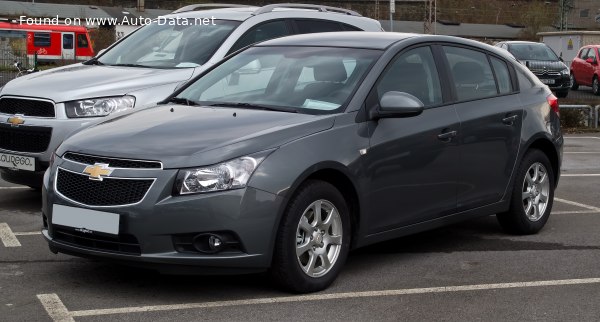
228, 175
102, 106
565, 72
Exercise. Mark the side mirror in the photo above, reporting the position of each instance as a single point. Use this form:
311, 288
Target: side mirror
397, 104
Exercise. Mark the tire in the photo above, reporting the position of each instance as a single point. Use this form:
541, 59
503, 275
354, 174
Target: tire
562, 94
528, 213
294, 272
595, 86
574, 85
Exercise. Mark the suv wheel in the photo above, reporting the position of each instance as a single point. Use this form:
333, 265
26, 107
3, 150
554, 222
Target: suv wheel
532, 196
595, 86
574, 85
314, 239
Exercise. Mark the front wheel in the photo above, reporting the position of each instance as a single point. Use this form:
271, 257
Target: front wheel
573, 81
532, 196
314, 239
595, 86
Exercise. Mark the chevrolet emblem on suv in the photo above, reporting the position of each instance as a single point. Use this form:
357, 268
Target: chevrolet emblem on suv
97, 171
15, 120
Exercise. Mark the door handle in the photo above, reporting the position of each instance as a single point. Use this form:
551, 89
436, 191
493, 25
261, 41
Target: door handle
447, 136
510, 120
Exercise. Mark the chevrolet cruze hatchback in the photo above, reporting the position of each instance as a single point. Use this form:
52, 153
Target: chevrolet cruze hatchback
292, 152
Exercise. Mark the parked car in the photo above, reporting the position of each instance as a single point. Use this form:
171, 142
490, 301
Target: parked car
585, 70
296, 150
38, 111
543, 62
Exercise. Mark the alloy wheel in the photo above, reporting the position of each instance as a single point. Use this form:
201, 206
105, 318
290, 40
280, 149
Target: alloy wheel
319, 238
536, 189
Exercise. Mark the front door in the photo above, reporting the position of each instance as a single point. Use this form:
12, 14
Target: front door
412, 162
68, 46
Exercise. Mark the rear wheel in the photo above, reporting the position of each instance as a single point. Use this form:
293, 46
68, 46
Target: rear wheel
574, 85
595, 86
314, 239
532, 196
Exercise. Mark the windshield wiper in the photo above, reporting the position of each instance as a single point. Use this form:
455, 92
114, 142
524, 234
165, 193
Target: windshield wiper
181, 100
131, 65
255, 106
93, 61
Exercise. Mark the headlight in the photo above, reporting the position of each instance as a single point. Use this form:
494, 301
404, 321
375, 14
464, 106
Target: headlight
103, 106
565, 72
223, 176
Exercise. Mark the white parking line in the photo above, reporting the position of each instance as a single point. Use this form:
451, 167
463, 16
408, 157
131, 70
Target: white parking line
8, 188
574, 212
8, 237
58, 312
581, 137
581, 152
55, 308
27, 233
596, 209
580, 175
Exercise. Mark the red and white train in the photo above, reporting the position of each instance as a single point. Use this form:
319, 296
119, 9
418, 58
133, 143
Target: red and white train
51, 42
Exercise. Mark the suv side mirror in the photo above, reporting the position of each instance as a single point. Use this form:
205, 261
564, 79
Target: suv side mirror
397, 104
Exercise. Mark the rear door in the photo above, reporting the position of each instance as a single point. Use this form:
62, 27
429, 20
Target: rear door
412, 161
68, 45
490, 115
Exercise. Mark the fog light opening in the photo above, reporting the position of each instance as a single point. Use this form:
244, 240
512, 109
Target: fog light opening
208, 243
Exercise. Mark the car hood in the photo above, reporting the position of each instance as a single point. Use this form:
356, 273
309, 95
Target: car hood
189, 136
80, 81
551, 66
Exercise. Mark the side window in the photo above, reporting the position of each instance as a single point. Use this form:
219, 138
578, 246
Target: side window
82, 41
413, 72
502, 75
471, 73
67, 41
41, 39
583, 53
592, 54
309, 26
265, 31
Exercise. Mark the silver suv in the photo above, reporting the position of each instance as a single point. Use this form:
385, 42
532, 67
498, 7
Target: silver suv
38, 111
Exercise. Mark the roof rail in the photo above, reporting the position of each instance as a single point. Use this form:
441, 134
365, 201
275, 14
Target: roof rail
208, 6
271, 7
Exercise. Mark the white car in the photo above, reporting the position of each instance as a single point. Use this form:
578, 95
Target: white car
38, 111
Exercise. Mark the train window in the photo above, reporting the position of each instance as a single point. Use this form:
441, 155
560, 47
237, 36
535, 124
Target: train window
41, 39
82, 41
67, 41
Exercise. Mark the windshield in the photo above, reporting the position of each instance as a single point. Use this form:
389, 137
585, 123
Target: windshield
314, 80
163, 44
532, 52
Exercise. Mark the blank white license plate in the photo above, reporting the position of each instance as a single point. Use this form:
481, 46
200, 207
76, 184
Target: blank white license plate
86, 219
548, 81
17, 162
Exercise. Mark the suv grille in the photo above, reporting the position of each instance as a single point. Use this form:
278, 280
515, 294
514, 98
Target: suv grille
114, 163
126, 244
24, 138
108, 192
26, 107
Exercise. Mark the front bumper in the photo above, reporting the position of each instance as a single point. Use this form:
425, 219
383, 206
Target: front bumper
155, 223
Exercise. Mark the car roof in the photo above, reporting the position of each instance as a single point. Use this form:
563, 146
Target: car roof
239, 14
349, 39
516, 42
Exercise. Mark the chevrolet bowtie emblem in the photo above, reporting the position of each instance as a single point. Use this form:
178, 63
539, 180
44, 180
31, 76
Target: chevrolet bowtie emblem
97, 171
15, 120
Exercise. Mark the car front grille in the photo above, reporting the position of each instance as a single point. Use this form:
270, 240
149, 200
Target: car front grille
125, 244
108, 192
112, 162
27, 107
25, 138
545, 73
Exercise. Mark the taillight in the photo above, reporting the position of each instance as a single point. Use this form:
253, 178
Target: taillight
553, 101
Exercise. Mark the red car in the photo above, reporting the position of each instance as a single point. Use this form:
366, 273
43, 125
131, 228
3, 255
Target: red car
585, 69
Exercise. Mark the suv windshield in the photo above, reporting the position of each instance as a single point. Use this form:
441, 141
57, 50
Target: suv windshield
170, 43
314, 80
532, 52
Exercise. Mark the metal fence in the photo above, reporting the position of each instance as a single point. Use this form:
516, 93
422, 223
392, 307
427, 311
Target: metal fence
8, 58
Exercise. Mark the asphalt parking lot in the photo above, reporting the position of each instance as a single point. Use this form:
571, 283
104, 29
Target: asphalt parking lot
466, 272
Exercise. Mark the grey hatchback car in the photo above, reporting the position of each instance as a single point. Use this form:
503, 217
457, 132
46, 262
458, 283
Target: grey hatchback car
289, 154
